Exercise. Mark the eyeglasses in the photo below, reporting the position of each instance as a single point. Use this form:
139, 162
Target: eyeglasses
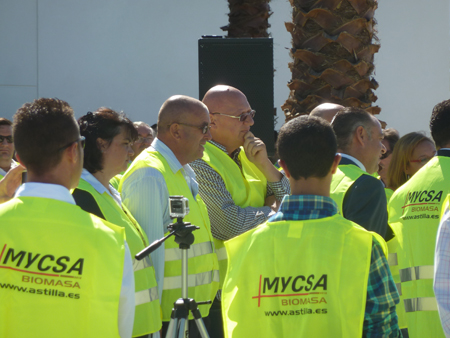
386, 154
141, 139
204, 128
422, 160
241, 117
82, 141
8, 139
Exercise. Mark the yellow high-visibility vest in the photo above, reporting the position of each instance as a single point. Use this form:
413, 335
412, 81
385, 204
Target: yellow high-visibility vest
203, 279
298, 279
414, 212
343, 179
392, 246
247, 187
60, 271
147, 318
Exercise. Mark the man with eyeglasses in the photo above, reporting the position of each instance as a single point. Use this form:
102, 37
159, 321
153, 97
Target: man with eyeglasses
63, 271
415, 209
359, 196
6, 147
163, 170
237, 181
145, 138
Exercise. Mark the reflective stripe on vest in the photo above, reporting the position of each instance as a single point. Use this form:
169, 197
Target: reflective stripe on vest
221, 253
195, 250
142, 264
202, 259
193, 280
392, 259
416, 273
421, 304
399, 288
146, 296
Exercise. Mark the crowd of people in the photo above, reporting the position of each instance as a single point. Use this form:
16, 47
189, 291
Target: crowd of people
346, 235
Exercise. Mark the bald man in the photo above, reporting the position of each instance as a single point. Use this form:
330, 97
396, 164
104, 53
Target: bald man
326, 111
160, 171
237, 181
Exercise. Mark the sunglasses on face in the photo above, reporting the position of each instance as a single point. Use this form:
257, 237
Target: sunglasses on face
241, 117
8, 139
203, 128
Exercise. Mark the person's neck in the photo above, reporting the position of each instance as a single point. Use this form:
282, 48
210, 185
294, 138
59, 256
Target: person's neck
103, 177
49, 178
310, 186
6, 165
356, 155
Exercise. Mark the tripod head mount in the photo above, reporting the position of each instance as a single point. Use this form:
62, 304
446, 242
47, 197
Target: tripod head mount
183, 232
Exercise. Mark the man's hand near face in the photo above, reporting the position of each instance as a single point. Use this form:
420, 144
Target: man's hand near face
256, 152
10, 183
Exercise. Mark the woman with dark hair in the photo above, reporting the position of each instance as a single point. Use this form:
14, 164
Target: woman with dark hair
109, 137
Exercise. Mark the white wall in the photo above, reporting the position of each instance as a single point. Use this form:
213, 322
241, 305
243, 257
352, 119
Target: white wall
131, 55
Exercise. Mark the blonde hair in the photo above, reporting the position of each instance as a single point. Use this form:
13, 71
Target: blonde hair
401, 156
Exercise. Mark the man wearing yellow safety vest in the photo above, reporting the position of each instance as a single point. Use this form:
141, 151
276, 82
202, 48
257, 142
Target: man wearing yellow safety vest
237, 181
163, 170
414, 212
307, 271
360, 197
63, 271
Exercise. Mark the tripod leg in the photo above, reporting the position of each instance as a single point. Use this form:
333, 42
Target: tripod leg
201, 327
182, 329
172, 327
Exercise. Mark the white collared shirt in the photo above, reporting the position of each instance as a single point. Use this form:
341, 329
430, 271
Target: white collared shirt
126, 301
357, 162
89, 178
146, 195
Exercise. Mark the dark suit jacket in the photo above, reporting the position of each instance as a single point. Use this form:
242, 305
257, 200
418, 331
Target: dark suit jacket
365, 203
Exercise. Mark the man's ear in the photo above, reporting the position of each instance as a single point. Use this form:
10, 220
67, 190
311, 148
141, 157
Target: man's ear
213, 118
334, 166
283, 165
360, 135
174, 131
72, 153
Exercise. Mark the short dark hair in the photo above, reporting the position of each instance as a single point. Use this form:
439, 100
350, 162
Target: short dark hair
307, 145
391, 136
5, 122
345, 123
41, 128
104, 123
440, 123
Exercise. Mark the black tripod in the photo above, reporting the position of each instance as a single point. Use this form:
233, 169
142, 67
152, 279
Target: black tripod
178, 326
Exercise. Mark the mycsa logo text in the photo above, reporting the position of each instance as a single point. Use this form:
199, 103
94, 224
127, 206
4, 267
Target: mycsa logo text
293, 290
41, 264
423, 201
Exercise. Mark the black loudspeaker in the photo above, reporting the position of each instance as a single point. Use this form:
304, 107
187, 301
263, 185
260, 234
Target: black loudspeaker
246, 64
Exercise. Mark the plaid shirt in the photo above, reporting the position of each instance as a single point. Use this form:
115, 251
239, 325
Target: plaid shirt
229, 220
380, 318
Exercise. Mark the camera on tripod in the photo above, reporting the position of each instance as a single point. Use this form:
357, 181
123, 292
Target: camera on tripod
178, 206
